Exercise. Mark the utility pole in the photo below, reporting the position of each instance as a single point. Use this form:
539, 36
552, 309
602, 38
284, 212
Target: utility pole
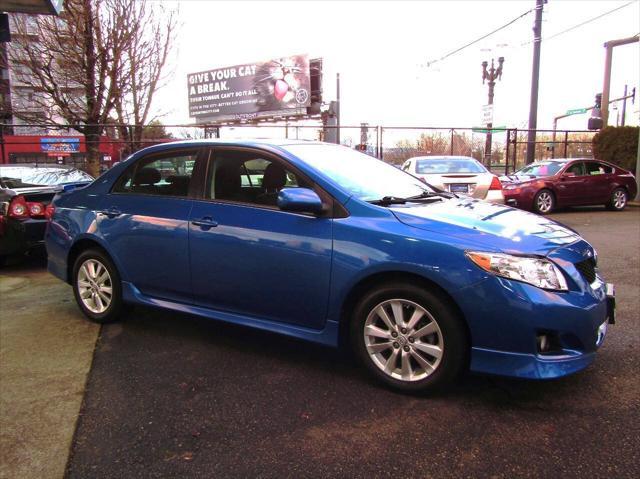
535, 76
492, 74
624, 106
608, 59
338, 108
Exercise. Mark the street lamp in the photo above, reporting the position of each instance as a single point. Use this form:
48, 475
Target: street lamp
490, 75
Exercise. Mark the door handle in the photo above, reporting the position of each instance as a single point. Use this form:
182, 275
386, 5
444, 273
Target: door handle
205, 223
111, 212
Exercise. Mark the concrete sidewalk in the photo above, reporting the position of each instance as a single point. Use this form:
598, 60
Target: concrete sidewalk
46, 349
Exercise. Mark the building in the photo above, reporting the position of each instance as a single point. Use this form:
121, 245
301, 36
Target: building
22, 106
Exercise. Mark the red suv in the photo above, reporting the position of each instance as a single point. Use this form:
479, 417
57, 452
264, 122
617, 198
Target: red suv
546, 185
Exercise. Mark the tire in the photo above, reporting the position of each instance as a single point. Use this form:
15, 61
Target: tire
91, 286
619, 199
544, 202
413, 363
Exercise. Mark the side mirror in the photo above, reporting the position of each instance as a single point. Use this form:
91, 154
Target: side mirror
302, 200
569, 174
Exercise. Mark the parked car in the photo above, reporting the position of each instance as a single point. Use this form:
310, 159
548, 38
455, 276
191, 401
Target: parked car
546, 185
25, 193
422, 284
457, 174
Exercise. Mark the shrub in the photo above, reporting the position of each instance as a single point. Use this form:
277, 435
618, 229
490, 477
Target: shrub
617, 145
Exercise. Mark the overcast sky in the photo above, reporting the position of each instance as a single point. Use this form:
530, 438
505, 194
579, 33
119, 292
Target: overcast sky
381, 49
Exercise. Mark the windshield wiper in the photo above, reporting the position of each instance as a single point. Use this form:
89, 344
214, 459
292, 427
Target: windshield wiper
396, 200
431, 194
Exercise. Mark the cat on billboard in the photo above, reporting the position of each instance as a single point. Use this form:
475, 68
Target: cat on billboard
282, 83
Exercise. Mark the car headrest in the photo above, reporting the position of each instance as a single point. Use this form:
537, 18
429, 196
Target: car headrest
275, 177
147, 176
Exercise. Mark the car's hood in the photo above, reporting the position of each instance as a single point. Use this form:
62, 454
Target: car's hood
496, 227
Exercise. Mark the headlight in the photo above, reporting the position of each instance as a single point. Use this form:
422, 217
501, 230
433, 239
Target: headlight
539, 272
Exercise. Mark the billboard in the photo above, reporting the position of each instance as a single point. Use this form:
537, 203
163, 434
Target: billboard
59, 146
278, 87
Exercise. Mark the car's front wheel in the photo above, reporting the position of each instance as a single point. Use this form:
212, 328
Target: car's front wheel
618, 200
544, 202
409, 338
97, 287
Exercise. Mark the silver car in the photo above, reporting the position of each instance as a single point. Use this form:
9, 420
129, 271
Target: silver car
457, 174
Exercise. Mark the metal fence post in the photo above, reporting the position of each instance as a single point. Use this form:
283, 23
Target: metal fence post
566, 143
506, 156
515, 148
452, 130
2, 143
381, 144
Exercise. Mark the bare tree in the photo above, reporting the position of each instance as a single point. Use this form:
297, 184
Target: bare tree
144, 60
79, 66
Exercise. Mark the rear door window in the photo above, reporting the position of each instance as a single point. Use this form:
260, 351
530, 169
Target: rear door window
159, 175
596, 168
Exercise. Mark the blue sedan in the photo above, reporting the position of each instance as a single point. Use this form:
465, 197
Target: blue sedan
326, 244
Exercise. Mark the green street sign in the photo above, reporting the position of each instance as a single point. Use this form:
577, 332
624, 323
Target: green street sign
487, 130
577, 111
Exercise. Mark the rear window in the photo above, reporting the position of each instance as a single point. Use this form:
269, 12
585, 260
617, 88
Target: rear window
439, 166
25, 177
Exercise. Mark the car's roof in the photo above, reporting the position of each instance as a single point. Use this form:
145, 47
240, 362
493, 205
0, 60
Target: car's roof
245, 142
443, 157
563, 160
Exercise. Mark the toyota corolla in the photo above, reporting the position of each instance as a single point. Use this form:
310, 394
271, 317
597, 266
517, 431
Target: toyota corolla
290, 237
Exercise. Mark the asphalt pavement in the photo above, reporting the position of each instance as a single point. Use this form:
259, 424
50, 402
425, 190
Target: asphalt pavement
171, 395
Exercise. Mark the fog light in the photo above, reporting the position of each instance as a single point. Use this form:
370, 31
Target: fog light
602, 331
543, 343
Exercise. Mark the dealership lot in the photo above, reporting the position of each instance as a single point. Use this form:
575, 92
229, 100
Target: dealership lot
171, 395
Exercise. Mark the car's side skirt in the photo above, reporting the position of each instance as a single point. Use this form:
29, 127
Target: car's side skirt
327, 336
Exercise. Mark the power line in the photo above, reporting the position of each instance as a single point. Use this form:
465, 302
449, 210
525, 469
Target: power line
581, 24
428, 64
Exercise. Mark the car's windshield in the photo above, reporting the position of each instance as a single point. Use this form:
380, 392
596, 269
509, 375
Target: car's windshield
365, 177
27, 176
543, 168
438, 166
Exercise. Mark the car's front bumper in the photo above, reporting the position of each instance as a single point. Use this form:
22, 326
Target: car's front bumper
507, 319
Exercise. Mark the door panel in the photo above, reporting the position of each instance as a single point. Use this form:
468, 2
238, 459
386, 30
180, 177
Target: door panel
570, 189
149, 236
261, 262
145, 221
597, 181
248, 256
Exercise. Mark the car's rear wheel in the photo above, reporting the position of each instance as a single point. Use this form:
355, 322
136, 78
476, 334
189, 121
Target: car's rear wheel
97, 287
544, 202
618, 200
409, 338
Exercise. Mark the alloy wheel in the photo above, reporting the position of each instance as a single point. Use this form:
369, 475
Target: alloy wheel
403, 340
544, 202
619, 199
95, 286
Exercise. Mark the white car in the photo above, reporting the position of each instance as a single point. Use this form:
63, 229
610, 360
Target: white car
457, 174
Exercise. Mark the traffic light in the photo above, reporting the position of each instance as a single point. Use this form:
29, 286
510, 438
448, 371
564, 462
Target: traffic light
595, 122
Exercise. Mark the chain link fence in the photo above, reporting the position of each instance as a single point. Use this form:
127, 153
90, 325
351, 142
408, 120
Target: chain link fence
502, 150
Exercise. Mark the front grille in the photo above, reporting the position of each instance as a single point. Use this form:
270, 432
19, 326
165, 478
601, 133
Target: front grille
587, 269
